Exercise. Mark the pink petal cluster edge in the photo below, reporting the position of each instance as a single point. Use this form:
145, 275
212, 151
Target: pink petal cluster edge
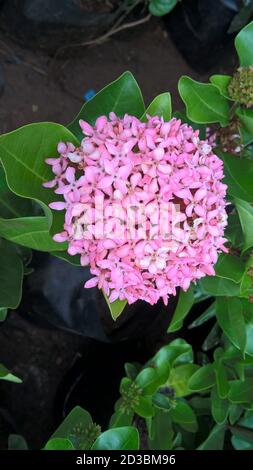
133, 164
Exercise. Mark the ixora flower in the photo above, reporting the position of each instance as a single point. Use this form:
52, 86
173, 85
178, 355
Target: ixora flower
144, 205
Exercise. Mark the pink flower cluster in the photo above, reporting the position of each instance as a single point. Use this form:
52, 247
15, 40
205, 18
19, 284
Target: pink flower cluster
131, 163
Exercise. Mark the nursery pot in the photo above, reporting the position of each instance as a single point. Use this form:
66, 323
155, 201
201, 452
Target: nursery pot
199, 31
55, 296
52, 24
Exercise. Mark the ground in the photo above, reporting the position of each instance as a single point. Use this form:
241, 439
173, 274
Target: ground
38, 88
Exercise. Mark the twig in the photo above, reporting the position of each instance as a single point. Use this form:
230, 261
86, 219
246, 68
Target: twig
101, 39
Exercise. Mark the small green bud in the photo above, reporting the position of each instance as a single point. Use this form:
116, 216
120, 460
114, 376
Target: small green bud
240, 87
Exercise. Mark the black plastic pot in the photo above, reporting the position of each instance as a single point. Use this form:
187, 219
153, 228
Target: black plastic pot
199, 31
51, 24
54, 295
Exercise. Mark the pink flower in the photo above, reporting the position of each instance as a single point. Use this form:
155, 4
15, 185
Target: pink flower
144, 205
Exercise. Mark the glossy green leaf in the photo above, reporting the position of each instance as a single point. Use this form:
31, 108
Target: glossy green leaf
218, 286
233, 231
161, 431
160, 106
221, 378
220, 407
161, 7
116, 308
32, 232
245, 212
11, 205
204, 317
3, 313
241, 391
121, 419
204, 102
215, 440
59, 444
212, 339
125, 438
221, 82
184, 415
5, 374
175, 353
11, 275
238, 176
229, 313
121, 96
230, 267
148, 380
23, 153
246, 118
184, 305
131, 370
78, 428
179, 378
244, 45
144, 407
202, 379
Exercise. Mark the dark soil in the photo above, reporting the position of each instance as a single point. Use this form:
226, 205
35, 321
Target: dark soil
38, 88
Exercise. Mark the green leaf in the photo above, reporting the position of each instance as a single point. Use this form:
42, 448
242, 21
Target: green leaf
59, 444
3, 313
241, 391
161, 400
175, 353
131, 370
244, 45
230, 267
215, 440
221, 82
5, 374
160, 106
11, 275
120, 419
184, 415
230, 317
246, 118
23, 153
179, 378
233, 230
144, 407
161, 432
148, 380
32, 232
116, 308
161, 7
218, 286
204, 103
221, 378
212, 339
184, 305
17, 442
125, 438
202, 379
235, 412
10, 204
204, 317
245, 212
220, 407
78, 428
238, 176
121, 96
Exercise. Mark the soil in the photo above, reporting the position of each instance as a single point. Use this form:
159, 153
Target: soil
39, 88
